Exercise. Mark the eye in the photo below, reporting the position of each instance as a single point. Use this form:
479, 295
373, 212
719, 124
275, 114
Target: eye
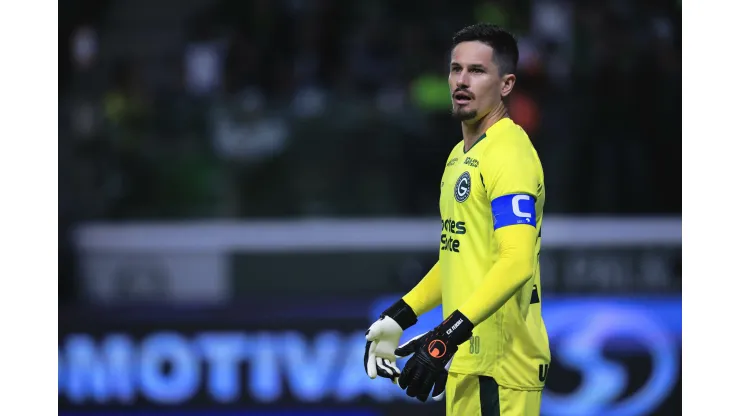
455, 69
477, 70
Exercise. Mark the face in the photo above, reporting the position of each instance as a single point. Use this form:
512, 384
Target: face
475, 85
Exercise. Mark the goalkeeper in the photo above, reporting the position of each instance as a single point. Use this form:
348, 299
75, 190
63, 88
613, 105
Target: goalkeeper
487, 276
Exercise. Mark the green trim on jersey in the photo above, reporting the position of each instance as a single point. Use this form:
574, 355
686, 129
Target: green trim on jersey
483, 136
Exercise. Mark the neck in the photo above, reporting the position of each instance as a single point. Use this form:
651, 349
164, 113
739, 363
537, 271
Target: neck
474, 129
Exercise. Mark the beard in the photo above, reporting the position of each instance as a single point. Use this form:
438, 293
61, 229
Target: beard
463, 114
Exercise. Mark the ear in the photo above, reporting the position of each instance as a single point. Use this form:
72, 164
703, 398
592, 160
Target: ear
507, 84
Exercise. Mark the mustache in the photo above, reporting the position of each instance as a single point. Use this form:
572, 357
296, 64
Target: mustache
466, 91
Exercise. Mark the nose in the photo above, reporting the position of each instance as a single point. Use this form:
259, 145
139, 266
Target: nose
462, 80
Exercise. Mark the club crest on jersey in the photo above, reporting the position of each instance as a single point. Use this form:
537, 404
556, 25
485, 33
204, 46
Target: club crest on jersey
462, 187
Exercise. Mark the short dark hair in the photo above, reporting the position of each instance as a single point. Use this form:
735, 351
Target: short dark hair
505, 49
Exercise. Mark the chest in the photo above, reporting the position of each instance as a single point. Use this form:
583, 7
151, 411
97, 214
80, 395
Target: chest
462, 187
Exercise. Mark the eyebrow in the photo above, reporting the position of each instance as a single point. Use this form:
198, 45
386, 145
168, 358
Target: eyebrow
471, 66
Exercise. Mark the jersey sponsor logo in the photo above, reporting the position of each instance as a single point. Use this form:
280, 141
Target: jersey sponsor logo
448, 242
462, 187
471, 162
452, 161
452, 226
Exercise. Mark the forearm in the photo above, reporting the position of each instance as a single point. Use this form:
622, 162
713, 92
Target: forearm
514, 267
427, 294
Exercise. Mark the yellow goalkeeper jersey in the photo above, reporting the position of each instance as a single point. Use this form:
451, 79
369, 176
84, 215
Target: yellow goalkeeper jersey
497, 183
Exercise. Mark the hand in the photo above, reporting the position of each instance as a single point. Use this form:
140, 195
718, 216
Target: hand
382, 339
432, 354
438, 393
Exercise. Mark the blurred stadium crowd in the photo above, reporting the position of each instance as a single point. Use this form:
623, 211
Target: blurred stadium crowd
273, 108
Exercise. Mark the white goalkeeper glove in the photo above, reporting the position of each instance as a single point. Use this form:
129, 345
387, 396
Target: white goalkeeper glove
382, 339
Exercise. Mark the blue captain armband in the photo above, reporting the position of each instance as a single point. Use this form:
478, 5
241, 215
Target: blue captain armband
513, 209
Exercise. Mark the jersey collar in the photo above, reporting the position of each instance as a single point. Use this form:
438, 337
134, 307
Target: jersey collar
503, 122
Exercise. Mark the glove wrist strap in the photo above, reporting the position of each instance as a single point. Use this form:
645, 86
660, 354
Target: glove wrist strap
457, 328
402, 313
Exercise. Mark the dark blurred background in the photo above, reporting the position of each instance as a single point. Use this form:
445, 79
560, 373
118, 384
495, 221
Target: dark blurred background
265, 173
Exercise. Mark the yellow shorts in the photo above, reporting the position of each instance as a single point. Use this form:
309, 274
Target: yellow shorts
468, 395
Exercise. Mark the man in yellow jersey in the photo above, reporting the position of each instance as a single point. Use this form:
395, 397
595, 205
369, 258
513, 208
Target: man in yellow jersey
487, 277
